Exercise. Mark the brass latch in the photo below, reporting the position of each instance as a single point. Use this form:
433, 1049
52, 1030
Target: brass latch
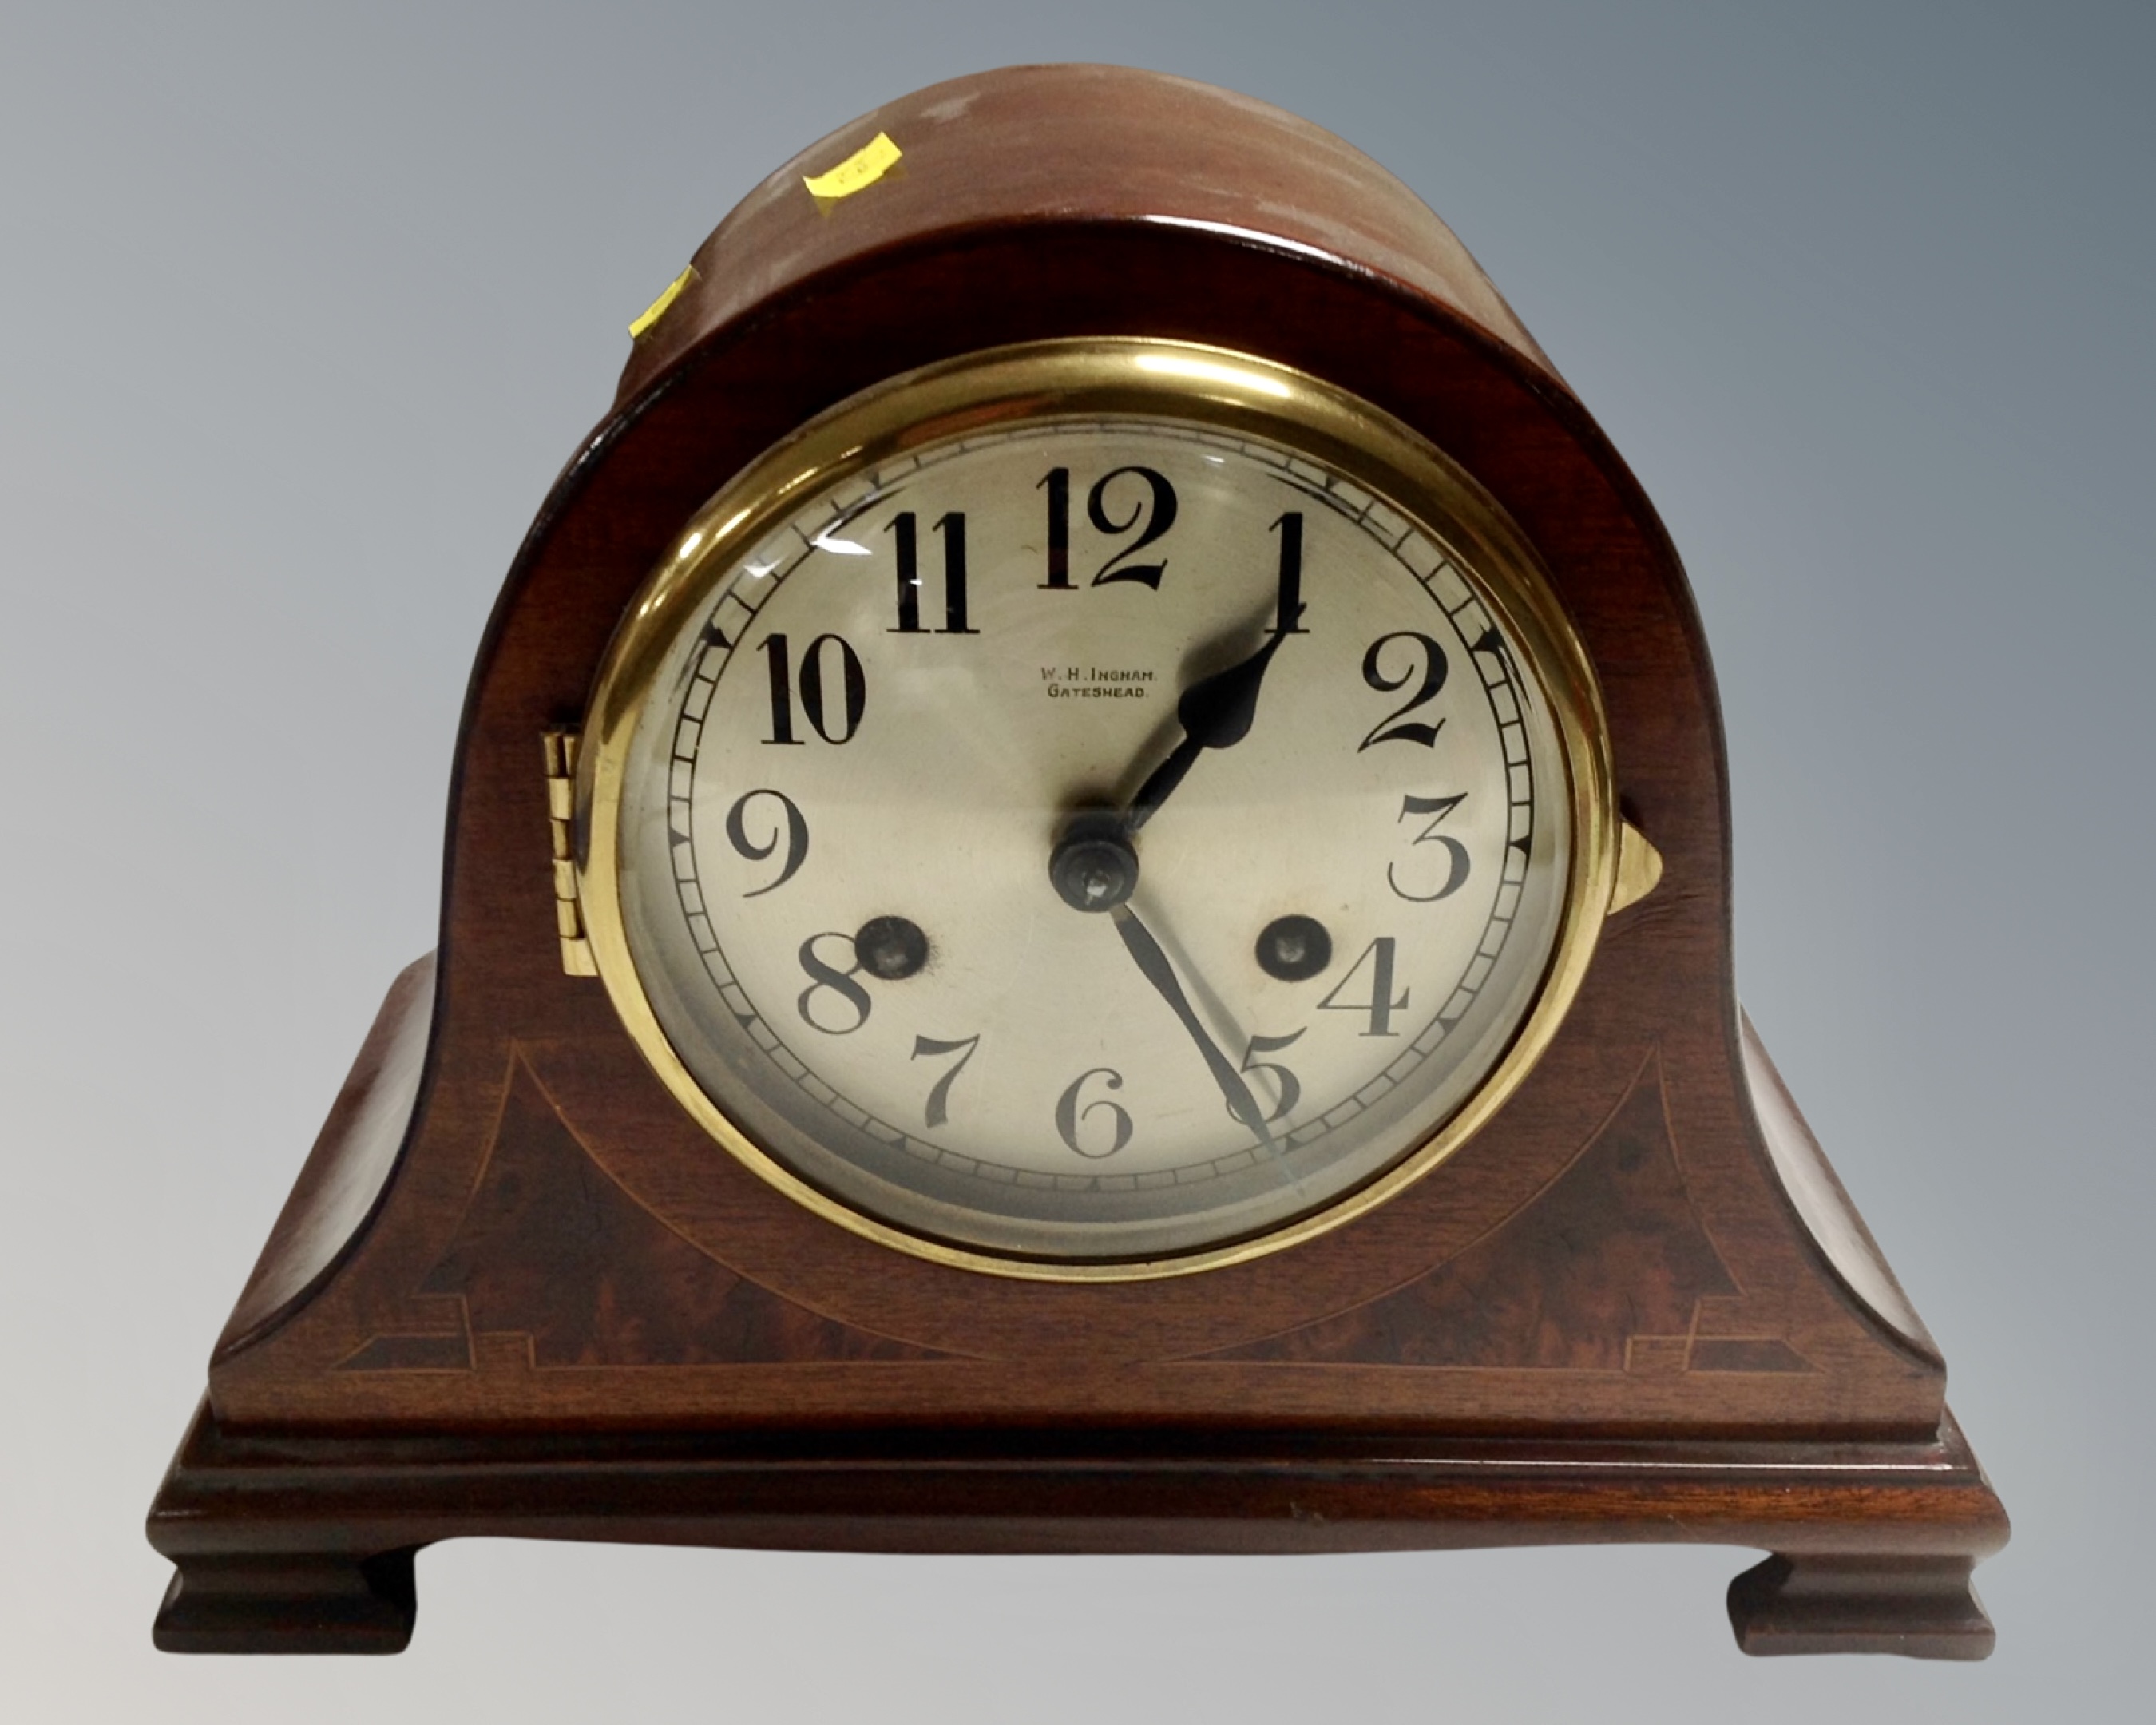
1639, 868
561, 811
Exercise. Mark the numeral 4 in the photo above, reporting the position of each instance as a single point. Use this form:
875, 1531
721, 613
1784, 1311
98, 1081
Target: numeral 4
1380, 1006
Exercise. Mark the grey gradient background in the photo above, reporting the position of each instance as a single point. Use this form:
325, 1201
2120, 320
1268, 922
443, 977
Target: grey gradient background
301, 308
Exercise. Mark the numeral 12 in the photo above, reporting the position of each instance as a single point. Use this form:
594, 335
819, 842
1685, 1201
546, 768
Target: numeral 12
1150, 516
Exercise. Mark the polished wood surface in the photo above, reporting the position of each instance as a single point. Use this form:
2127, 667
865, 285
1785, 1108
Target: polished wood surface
1874, 1541
1627, 1255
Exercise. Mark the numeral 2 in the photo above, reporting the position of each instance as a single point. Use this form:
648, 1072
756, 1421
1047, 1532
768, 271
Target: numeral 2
1433, 680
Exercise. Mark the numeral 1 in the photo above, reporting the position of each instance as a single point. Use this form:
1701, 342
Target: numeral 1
1287, 620
1057, 484
782, 691
904, 533
909, 573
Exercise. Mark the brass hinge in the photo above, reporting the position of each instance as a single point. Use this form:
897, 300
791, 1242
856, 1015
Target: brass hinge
561, 811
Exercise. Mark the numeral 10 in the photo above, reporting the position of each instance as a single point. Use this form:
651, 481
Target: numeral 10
853, 689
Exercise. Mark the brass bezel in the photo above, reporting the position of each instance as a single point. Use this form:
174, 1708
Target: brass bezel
1107, 377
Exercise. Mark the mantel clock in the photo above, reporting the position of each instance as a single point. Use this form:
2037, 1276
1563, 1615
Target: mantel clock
1087, 910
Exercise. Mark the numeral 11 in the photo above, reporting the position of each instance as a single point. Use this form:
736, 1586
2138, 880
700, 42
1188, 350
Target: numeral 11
905, 531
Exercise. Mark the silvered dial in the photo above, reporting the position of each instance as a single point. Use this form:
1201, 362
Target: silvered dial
1090, 836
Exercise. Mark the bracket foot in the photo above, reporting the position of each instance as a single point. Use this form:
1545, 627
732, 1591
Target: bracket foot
1922, 1607
289, 1602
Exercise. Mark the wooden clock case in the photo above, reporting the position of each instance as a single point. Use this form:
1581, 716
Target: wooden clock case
517, 1293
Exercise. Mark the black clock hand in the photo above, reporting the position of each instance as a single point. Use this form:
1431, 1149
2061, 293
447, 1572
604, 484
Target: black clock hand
1215, 714
1154, 964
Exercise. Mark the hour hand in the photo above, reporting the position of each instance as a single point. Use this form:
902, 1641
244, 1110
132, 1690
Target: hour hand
1153, 963
1215, 713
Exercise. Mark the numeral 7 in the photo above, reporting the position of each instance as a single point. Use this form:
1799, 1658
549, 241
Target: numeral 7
939, 1094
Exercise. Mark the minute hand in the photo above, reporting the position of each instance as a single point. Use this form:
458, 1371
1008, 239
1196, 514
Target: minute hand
1215, 714
1153, 963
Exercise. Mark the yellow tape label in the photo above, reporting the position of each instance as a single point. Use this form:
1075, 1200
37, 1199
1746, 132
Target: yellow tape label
864, 168
657, 309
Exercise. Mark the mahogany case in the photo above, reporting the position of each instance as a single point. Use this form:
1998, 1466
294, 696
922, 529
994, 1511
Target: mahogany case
516, 1291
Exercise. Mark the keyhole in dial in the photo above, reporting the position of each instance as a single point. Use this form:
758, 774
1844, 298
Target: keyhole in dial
1293, 948
892, 948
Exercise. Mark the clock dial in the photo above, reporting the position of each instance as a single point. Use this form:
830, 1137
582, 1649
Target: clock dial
1103, 831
